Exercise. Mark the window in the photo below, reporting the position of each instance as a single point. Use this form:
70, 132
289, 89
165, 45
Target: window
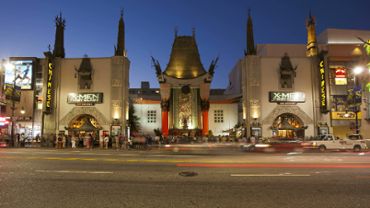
219, 116
152, 116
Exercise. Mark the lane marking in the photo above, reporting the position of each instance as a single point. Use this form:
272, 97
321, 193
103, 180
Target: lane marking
270, 175
274, 165
74, 171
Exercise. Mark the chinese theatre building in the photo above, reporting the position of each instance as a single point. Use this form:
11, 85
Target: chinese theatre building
79, 96
300, 91
185, 89
277, 89
85, 95
184, 104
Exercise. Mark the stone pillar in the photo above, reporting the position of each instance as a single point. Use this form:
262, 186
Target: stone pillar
205, 109
165, 106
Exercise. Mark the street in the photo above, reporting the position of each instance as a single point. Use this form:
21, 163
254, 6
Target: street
156, 178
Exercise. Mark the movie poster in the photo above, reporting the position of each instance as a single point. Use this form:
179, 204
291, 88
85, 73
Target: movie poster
21, 73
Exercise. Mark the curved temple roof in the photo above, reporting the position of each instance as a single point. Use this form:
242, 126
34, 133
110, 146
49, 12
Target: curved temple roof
184, 60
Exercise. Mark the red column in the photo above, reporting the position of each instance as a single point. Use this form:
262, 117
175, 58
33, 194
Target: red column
205, 123
165, 123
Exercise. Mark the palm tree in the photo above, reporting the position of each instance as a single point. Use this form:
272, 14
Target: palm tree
133, 120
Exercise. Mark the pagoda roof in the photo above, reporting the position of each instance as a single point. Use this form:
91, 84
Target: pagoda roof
184, 60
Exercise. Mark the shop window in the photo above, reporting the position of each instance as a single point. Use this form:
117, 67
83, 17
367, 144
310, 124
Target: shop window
218, 116
339, 103
152, 116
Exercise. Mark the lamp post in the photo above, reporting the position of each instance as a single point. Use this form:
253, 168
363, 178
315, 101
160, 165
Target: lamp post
12, 67
356, 109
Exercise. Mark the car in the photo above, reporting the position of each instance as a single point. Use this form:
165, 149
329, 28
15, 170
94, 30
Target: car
331, 142
278, 145
4, 143
355, 137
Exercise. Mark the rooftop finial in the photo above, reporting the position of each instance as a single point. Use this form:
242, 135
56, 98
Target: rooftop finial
193, 32
121, 12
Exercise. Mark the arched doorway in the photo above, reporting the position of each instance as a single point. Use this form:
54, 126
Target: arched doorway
84, 124
288, 125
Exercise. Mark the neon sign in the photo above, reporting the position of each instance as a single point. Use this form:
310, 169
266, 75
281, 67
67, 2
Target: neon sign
49, 85
323, 102
340, 76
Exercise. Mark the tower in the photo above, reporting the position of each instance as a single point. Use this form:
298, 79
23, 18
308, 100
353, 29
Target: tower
119, 49
251, 50
59, 37
311, 49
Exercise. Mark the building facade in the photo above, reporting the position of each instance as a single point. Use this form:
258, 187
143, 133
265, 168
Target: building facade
74, 96
275, 90
300, 91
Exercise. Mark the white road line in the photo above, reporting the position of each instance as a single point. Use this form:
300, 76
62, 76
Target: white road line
74, 171
270, 175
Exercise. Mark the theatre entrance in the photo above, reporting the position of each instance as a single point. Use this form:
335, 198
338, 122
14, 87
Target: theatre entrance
83, 125
289, 126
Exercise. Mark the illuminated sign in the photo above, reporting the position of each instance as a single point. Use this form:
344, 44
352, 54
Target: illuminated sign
323, 102
340, 76
345, 115
8, 91
20, 73
49, 87
85, 98
4, 121
287, 97
340, 73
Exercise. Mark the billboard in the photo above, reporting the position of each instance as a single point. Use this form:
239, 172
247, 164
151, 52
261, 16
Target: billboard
21, 72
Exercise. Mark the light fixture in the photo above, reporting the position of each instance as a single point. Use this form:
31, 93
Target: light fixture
23, 111
358, 70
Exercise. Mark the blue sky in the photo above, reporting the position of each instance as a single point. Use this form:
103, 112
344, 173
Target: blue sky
27, 27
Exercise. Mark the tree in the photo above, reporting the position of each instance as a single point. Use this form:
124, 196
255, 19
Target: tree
133, 119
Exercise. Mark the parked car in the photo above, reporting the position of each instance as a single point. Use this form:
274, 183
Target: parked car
331, 142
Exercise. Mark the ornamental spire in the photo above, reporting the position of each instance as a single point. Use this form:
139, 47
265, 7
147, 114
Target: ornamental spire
251, 50
59, 37
119, 49
311, 48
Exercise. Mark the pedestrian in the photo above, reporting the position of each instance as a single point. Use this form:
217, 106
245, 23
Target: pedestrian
64, 141
92, 141
73, 140
116, 138
87, 141
59, 142
101, 141
253, 140
106, 141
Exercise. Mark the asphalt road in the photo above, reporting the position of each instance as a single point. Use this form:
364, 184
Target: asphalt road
105, 178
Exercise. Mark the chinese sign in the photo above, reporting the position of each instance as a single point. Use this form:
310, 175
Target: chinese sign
49, 87
323, 102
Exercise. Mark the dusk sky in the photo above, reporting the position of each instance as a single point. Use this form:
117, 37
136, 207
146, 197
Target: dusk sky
27, 28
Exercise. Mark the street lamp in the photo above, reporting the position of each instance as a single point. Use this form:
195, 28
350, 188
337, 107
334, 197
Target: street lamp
10, 66
356, 109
